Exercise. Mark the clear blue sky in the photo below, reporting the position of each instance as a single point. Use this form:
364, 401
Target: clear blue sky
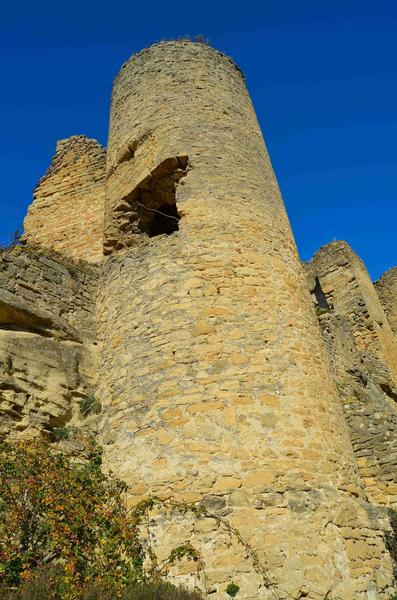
322, 76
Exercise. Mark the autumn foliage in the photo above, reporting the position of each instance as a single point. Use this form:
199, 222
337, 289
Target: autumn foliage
57, 510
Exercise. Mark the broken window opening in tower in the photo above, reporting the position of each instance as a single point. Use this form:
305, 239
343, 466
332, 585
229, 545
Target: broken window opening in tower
165, 219
151, 207
321, 298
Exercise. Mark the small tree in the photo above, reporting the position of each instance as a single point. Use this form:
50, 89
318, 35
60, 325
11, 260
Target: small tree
15, 241
56, 510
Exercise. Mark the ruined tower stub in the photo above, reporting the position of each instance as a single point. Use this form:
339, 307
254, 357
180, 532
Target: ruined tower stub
362, 351
386, 286
213, 374
350, 291
67, 211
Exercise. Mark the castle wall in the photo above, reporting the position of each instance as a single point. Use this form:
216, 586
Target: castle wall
349, 289
68, 206
363, 355
213, 373
386, 287
48, 357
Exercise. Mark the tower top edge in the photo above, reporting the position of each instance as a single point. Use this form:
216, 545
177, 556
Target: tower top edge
178, 44
74, 140
390, 273
329, 248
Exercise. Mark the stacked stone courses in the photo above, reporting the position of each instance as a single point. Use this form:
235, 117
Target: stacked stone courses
67, 211
218, 378
362, 351
350, 291
386, 287
231, 376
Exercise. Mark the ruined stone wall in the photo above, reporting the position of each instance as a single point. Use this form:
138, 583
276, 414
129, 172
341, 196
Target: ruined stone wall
363, 354
68, 206
213, 373
350, 291
48, 358
386, 287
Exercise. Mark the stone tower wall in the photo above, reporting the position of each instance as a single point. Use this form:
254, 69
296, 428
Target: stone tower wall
350, 292
213, 372
68, 206
386, 287
363, 352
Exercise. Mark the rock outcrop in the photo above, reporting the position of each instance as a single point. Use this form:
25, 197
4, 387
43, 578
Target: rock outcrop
48, 352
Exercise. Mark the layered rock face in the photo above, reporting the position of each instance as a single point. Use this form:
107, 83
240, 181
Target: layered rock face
386, 287
233, 379
48, 358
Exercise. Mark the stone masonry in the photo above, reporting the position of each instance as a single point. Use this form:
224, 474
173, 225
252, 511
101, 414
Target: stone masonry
231, 375
68, 207
386, 286
362, 350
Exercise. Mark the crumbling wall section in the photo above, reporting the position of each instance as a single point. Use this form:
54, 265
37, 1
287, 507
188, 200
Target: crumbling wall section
67, 211
386, 287
48, 355
362, 350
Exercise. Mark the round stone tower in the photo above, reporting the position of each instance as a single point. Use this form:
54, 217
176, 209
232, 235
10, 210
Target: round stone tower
216, 386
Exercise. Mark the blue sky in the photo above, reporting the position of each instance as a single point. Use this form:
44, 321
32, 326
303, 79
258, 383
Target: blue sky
322, 76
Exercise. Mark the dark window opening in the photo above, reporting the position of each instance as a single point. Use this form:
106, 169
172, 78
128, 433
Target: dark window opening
321, 298
151, 207
165, 220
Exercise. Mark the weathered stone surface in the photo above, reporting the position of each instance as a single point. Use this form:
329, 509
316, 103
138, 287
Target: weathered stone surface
386, 287
219, 387
68, 207
47, 339
363, 354
213, 370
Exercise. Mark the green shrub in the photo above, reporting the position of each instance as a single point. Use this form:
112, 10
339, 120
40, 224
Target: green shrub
232, 589
90, 406
66, 533
61, 433
46, 584
58, 510
321, 310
